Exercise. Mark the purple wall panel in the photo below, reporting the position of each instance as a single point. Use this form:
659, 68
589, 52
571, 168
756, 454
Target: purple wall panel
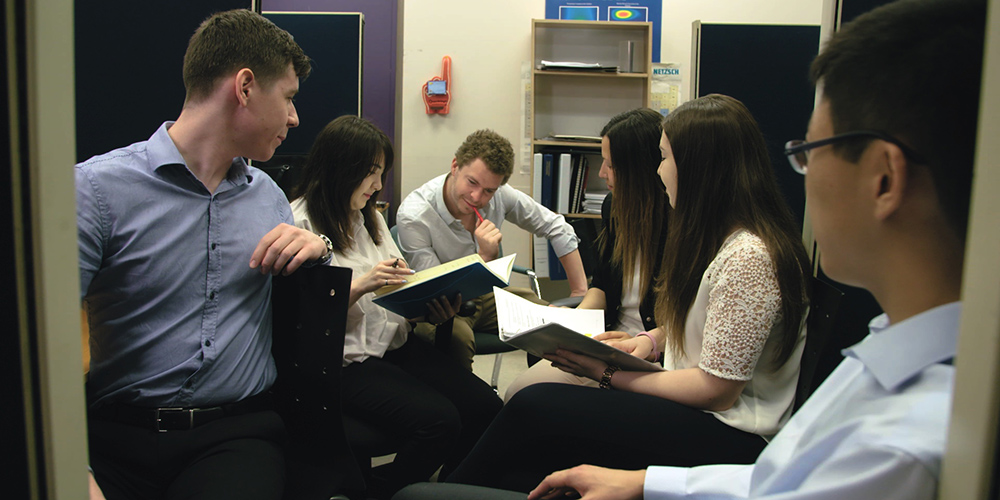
378, 93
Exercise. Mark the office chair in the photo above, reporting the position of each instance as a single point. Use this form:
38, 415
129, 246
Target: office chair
825, 300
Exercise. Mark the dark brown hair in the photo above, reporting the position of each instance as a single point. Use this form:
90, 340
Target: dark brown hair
725, 181
229, 41
638, 208
490, 147
344, 153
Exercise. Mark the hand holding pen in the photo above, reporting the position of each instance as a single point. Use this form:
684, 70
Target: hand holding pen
487, 238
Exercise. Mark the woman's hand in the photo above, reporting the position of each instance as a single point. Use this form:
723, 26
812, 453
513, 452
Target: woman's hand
440, 310
385, 273
640, 347
612, 335
578, 364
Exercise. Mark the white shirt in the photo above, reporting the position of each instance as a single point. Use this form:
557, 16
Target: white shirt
371, 329
429, 235
732, 332
629, 317
876, 428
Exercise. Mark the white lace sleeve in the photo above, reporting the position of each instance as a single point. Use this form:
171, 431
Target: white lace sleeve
744, 304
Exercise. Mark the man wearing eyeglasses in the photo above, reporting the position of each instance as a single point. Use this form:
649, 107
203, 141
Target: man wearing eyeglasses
888, 168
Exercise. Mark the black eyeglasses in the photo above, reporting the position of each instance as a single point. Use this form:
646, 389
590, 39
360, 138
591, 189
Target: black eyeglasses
798, 150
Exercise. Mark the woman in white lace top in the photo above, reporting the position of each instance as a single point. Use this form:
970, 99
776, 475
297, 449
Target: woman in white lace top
731, 304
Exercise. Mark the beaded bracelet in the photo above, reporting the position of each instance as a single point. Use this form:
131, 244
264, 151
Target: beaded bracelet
656, 352
606, 378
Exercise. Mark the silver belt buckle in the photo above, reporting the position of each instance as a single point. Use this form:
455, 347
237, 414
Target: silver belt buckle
190, 412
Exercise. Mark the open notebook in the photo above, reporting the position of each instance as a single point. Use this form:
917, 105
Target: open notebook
541, 330
468, 275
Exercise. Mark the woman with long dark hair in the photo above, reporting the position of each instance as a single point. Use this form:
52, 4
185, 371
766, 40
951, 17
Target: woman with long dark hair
731, 304
392, 380
631, 241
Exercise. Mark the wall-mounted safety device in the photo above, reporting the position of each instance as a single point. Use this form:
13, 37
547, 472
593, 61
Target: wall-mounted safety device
437, 90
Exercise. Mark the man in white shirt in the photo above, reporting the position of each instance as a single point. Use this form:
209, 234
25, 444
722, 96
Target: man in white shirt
460, 213
888, 183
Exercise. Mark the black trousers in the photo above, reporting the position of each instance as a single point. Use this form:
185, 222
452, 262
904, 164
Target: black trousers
549, 427
238, 457
437, 408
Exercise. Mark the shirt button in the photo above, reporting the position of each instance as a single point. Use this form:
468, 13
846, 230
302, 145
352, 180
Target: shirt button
211, 296
208, 343
213, 246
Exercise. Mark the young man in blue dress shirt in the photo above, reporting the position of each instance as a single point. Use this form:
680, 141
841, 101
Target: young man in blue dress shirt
888, 166
178, 240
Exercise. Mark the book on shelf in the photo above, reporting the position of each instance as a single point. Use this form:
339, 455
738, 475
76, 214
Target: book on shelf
564, 180
468, 275
556, 269
575, 66
540, 251
575, 138
593, 200
541, 330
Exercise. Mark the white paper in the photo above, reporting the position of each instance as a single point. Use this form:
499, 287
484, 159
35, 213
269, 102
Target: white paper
516, 314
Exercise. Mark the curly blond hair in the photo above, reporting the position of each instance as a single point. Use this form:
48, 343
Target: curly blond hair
490, 147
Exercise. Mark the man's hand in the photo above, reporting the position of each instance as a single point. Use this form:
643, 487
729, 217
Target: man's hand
591, 483
440, 310
95, 490
285, 248
488, 239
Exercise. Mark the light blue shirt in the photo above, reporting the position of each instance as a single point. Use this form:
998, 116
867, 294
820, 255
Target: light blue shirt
876, 428
429, 235
177, 317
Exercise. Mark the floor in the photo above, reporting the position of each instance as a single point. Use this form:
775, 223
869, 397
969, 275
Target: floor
512, 364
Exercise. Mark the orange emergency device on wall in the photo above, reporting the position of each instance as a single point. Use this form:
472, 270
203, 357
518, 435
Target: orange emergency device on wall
437, 90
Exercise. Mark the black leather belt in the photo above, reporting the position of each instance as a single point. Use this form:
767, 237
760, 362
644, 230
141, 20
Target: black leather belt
179, 419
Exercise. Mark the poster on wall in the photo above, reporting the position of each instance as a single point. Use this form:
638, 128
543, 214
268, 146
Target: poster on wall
611, 10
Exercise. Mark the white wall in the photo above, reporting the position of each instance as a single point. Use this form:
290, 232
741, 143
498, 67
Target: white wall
487, 42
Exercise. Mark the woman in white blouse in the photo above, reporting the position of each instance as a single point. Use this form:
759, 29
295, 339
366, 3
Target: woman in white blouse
390, 379
731, 305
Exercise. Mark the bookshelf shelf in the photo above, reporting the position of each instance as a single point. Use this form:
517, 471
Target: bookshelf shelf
579, 103
587, 74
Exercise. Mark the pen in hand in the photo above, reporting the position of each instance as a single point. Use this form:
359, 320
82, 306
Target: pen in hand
396, 263
477, 214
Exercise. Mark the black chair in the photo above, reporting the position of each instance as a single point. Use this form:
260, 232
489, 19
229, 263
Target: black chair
309, 311
819, 328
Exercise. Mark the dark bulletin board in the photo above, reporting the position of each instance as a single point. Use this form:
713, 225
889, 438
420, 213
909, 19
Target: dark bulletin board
333, 42
767, 68
129, 57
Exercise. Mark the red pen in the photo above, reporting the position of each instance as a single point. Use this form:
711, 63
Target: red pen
477, 214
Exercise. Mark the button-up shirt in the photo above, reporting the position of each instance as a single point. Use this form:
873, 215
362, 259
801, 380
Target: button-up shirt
876, 428
429, 235
177, 317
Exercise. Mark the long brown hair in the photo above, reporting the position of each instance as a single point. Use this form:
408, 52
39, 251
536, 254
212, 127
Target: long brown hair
638, 212
343, 154
725, 181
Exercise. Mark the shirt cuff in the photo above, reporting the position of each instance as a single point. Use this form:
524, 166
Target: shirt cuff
664, 483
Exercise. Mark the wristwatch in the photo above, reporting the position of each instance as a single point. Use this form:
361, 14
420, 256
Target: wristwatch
329, 247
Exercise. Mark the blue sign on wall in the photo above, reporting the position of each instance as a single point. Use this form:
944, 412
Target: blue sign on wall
611, 10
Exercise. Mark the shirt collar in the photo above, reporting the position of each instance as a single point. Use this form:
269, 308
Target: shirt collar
439, 205
162, 152
896, 353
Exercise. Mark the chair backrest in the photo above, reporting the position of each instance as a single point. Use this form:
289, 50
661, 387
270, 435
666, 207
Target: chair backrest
284, 169
309, 311
819, 326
